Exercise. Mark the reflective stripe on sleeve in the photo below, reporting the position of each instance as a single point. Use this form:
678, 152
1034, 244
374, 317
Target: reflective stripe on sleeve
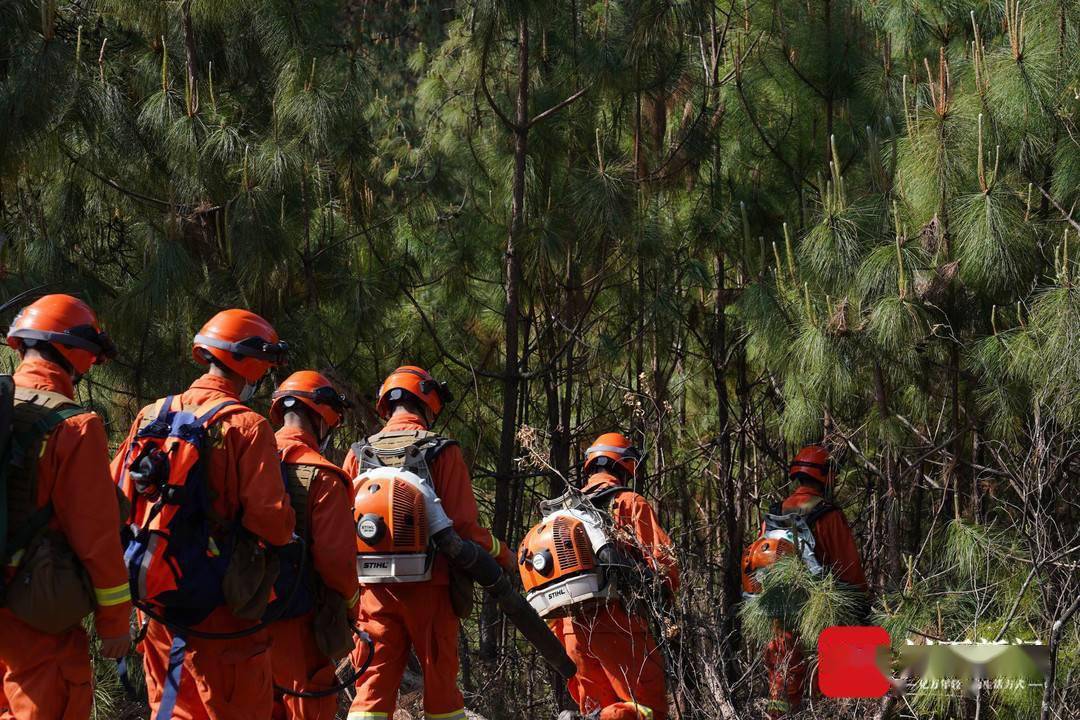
642, 710
354, 599
496, 548
107, 597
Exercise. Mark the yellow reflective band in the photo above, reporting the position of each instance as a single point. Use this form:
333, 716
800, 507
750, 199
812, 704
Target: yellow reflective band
366, 715
354, 599
213, 548
643, 710
496, 546
456, 715
107, 597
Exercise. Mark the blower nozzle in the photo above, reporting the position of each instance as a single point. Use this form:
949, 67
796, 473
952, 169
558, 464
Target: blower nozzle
471, 559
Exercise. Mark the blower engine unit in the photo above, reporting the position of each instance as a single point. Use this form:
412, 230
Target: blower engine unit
393, 535
563, 562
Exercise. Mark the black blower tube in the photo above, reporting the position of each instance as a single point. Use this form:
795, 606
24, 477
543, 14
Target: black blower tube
470, 558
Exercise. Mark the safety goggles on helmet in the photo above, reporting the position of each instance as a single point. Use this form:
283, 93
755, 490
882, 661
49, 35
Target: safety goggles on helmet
429, 385
630, 453
320, 396
83, 337
253, 347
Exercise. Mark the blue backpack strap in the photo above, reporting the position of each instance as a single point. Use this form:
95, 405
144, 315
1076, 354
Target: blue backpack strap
207, 417
166, 408
177, 653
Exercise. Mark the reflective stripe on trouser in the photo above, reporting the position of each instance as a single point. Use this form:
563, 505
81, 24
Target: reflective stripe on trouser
456, 715
416, 616
365, 715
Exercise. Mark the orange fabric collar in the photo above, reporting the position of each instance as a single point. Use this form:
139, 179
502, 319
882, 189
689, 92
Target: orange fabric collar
807, 490
44, 375
290, 434
601, 480
406, 421
216, 383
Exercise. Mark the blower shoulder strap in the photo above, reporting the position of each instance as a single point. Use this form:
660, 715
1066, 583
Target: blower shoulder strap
810, 512
602, 498
817, 511
390, 448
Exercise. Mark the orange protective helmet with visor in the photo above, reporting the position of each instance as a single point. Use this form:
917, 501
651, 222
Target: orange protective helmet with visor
417, 383
68, 325
314, 391
241, 341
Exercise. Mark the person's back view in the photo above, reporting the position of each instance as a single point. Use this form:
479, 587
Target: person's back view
60, 510
306, 410
620, 668
834, 550
188, 674
417, 614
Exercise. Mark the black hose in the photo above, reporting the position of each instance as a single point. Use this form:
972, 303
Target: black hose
346, 681
470, 558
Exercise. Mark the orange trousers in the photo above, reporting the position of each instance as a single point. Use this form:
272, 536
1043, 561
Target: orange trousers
400, 617
45, 677
787, 673
221, 679
300, 666
620, 668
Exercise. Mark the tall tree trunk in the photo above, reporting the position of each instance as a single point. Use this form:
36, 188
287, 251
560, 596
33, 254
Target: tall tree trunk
504, 469
731, 588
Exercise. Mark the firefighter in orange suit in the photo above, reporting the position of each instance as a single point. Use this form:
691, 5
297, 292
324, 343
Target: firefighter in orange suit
419, 615
620, 667
306, 409
835, 549
48, 676
227, 679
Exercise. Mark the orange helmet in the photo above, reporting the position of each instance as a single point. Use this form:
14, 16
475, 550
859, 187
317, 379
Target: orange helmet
761, 554
410, 380
68, 325
241, 341
613, 450
313, 390
815, 462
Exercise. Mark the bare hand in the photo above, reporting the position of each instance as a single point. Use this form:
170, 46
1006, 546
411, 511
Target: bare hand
115, 647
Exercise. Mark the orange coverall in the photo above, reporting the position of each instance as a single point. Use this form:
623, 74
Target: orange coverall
331, 539
419, 614
834, 547
48, 676
620, 667
225, 679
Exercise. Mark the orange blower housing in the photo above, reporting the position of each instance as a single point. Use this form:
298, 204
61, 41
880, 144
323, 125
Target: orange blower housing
762, 553
392, 539
560, 566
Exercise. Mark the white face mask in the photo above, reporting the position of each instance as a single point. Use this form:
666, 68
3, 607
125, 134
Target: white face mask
249, 391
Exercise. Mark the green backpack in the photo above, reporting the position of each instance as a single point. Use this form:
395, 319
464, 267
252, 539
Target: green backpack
26, 419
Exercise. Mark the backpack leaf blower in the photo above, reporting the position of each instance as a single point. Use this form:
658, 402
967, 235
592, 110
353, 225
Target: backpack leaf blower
397, 514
